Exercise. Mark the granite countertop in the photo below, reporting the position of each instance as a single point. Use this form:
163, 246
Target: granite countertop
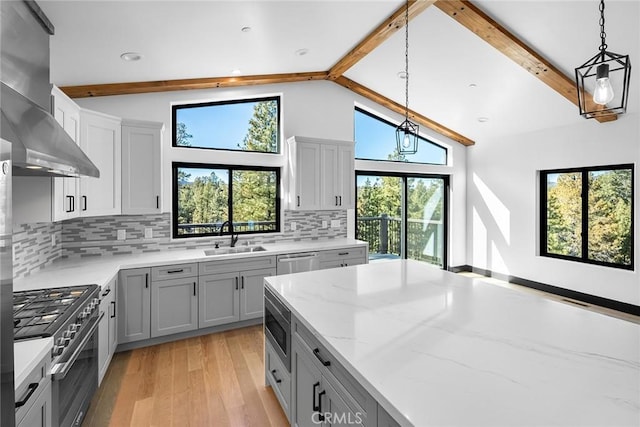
101, 270
435, 348
27, 355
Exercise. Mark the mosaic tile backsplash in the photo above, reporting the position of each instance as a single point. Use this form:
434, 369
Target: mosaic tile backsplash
98, 236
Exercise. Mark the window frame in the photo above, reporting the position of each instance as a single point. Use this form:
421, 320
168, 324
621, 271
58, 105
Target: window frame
395, 125
405, 206
176, 107
174, 195
584, 171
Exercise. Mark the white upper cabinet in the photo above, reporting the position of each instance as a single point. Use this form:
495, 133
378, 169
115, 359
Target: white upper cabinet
100, 139
65, 190
141, 174
321, 174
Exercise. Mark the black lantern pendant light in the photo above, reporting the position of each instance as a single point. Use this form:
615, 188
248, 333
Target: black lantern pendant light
407, 132
603, 81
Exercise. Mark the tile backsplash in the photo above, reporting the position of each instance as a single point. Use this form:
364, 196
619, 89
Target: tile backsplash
34, 247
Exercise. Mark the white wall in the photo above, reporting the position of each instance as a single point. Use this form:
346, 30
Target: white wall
318, 109
503, 203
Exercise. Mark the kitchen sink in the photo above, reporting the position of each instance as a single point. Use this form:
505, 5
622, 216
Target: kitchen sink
236, 250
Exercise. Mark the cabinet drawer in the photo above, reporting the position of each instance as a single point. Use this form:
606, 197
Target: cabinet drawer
235, 265
176, 271
39, 376
278, 377
353, 388
336, 254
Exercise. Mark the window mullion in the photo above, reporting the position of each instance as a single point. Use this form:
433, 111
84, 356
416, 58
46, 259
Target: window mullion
585, 214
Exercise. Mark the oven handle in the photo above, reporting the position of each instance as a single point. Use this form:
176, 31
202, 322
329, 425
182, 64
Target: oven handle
60, 370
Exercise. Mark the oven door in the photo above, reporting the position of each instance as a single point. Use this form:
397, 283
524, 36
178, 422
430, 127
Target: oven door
277, 330
75, 378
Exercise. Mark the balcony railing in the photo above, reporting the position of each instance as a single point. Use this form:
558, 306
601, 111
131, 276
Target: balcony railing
214, 228
384, 234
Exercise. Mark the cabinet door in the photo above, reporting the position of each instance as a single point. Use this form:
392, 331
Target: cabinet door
174, 306
335, 263
219, 299
329, 186
134, 305
306, 387
113, 322
141, 177
39, 413
252, 292
346, 177
103, 339
65, 190
100, 137
335, 409
307, 176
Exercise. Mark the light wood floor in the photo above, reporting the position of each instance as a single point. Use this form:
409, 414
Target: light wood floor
212, 380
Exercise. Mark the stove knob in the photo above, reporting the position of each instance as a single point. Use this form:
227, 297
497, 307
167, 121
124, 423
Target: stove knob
57, 350
63, 341
96, 302
69, 334
74, 327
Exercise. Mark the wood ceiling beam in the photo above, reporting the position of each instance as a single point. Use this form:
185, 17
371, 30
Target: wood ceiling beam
385, 30
131, 88
400, 109
468, 15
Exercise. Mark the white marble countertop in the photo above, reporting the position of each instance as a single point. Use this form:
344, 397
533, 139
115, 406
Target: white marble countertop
435, 348
101, 270
27, 355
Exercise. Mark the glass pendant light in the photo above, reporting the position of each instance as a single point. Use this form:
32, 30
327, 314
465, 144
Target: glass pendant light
407, 132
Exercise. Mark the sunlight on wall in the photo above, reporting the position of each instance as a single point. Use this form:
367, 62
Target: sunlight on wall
497, 209
497, 262
479, 240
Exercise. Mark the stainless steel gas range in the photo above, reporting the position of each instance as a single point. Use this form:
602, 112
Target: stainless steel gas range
70, 315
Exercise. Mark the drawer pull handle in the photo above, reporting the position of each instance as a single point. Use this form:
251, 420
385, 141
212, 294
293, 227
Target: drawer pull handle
114, 309
146, 280
278, 381
180, 270
316, 352
32, 388
84, 199
106, 292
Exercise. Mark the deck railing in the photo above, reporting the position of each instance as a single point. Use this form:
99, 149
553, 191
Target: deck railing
384, 234
238, 227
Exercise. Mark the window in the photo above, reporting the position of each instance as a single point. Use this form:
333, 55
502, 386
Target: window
587, 215
205, 196
403, 216
241, 125
376, 140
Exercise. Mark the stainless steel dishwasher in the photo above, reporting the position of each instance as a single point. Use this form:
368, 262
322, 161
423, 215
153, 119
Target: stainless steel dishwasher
297, 263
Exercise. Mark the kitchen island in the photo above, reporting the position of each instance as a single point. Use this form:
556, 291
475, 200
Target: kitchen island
434, 348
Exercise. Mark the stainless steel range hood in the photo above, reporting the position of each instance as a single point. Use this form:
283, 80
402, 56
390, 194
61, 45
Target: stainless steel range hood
40, 146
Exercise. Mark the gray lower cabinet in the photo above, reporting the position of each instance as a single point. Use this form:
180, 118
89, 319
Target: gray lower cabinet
343, 257
384, 419
232, 290
33, 397
277, 376
107, 334
322, 388
174, 306
134, 305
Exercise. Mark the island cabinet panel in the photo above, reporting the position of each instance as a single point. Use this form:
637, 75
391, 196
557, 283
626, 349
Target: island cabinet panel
134, 305
39, 412
384, 419
338, 397
278, 377
34, 397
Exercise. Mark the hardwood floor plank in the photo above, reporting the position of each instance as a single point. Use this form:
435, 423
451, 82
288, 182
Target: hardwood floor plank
214, 380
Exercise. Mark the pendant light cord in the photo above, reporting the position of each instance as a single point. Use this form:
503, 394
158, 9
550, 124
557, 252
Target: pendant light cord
603, 35
406, 62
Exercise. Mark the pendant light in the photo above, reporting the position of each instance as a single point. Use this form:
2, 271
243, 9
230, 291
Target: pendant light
407, 132
603, 81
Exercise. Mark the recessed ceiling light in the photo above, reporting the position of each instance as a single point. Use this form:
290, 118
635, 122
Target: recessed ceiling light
483, 119
34, 167
473, 86
236, 72
131, 56
246, 29
302, 52
402, 75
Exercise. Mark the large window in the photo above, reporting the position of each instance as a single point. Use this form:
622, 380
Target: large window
241, 125
587, 215
376, 140
205, 196
403, 216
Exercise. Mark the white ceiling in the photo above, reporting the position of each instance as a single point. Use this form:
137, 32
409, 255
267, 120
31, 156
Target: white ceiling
185, 39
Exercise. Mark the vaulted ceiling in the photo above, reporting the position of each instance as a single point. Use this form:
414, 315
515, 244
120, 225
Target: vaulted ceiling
478, 70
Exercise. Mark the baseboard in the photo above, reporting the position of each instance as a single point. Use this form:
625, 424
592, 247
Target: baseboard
556, 290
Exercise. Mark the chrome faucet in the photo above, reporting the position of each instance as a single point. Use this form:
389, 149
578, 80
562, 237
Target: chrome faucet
234, 236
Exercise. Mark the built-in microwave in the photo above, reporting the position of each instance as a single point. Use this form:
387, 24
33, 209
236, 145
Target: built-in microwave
277, 327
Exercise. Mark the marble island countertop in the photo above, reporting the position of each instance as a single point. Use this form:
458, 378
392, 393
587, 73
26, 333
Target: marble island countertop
435, 348
101, 270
